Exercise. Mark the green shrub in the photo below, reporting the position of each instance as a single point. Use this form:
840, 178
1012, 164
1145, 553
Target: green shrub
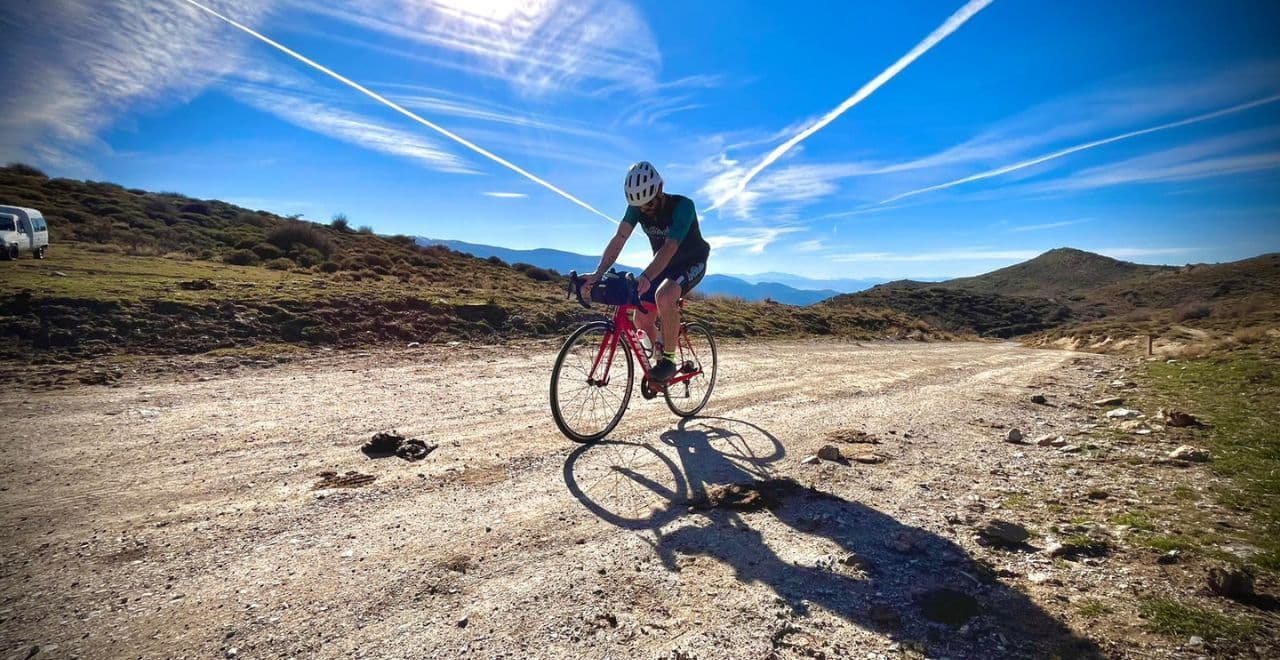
306, 256
267, 251
299, 233
1191, 311
197, 208
279, 264
365, 229
340, 223
251, 219
25, 170
376, 261
241, 258
329, 267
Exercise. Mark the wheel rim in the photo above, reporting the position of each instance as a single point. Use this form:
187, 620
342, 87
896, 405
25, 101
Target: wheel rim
587, 410
698, 347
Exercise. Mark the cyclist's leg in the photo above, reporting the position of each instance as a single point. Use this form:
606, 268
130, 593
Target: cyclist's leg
647, 314
677, 282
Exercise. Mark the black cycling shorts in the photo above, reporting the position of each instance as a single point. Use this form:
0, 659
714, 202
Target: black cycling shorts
686, 275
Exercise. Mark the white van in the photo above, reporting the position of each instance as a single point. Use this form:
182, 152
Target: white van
22, 230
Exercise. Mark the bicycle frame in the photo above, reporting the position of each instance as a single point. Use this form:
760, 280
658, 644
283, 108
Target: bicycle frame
623, 330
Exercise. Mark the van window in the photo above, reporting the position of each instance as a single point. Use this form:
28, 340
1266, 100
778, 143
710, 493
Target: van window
40, 226
7, 223
22, 224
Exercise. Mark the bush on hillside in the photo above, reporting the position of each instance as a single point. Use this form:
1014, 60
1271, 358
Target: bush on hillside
341, 223
329, 267
365, 229
376, 261
1191, 311
197, 208
279, 264
267, 251
536, 273
401, 239
25, 170
251, 219
241, 258
300, 233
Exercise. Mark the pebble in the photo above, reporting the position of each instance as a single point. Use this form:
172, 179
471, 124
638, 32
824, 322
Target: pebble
1123, 413
1189, 453
1015, 436
829, 453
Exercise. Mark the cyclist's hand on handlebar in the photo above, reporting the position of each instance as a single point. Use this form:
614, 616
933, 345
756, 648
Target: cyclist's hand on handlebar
642, 285
588, 281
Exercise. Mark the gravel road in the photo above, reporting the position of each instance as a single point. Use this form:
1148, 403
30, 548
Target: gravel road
178, 516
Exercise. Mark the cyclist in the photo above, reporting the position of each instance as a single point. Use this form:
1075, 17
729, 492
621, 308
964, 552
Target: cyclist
679, 257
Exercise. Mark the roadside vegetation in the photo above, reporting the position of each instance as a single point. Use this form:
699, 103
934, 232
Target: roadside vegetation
1237, 396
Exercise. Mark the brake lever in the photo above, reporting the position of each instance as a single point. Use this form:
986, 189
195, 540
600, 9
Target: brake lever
575, 288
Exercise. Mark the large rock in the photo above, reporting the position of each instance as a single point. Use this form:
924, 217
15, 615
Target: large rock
1234, 583
1015, 436
1123, 413
1003, 533
829, 453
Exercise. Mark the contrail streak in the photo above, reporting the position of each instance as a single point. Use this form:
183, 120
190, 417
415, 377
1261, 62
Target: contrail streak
1088, 145
383, 100
951, 25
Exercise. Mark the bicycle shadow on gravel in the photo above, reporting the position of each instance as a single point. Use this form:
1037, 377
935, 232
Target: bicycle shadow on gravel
707, 490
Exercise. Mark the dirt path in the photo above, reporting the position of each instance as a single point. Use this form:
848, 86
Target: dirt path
177, 517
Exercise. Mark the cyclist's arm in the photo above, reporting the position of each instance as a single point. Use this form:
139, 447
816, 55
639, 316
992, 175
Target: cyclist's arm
614, 248
662, 258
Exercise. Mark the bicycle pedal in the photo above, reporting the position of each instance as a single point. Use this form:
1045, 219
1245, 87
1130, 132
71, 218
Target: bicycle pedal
647, 391
688, 367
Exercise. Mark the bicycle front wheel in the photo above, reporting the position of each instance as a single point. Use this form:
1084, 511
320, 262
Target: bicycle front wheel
591, 383
697, 356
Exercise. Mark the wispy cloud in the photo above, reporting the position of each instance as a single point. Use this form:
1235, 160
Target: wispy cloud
1006, 169
384, 101
754, 240
352, 128
1203, 159
950, 25
505, 195
1049, 225
79, 66
538, 46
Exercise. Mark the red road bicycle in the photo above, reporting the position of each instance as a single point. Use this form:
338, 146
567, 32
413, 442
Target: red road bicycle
589, 393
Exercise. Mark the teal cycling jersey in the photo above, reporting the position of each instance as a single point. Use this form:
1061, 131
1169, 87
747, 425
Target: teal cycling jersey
676, 220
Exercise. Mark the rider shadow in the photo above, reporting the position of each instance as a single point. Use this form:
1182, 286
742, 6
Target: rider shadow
902, 581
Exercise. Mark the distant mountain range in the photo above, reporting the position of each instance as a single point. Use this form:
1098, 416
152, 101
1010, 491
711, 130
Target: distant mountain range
779, 287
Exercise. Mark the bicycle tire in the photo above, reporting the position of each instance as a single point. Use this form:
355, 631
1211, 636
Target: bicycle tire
673, 392
589, 391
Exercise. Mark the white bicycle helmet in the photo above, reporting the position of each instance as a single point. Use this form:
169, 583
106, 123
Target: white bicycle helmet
642, 184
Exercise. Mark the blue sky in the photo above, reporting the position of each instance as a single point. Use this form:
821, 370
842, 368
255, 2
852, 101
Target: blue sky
1149, 133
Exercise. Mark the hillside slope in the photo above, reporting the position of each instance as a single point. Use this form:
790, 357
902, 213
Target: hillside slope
135, 272
1076, 299
1065, 274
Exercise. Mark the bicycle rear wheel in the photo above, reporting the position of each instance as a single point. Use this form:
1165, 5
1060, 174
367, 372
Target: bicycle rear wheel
586, 403
696, 355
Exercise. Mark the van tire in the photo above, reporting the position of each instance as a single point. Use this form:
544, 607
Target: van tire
11, 253
38, 253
